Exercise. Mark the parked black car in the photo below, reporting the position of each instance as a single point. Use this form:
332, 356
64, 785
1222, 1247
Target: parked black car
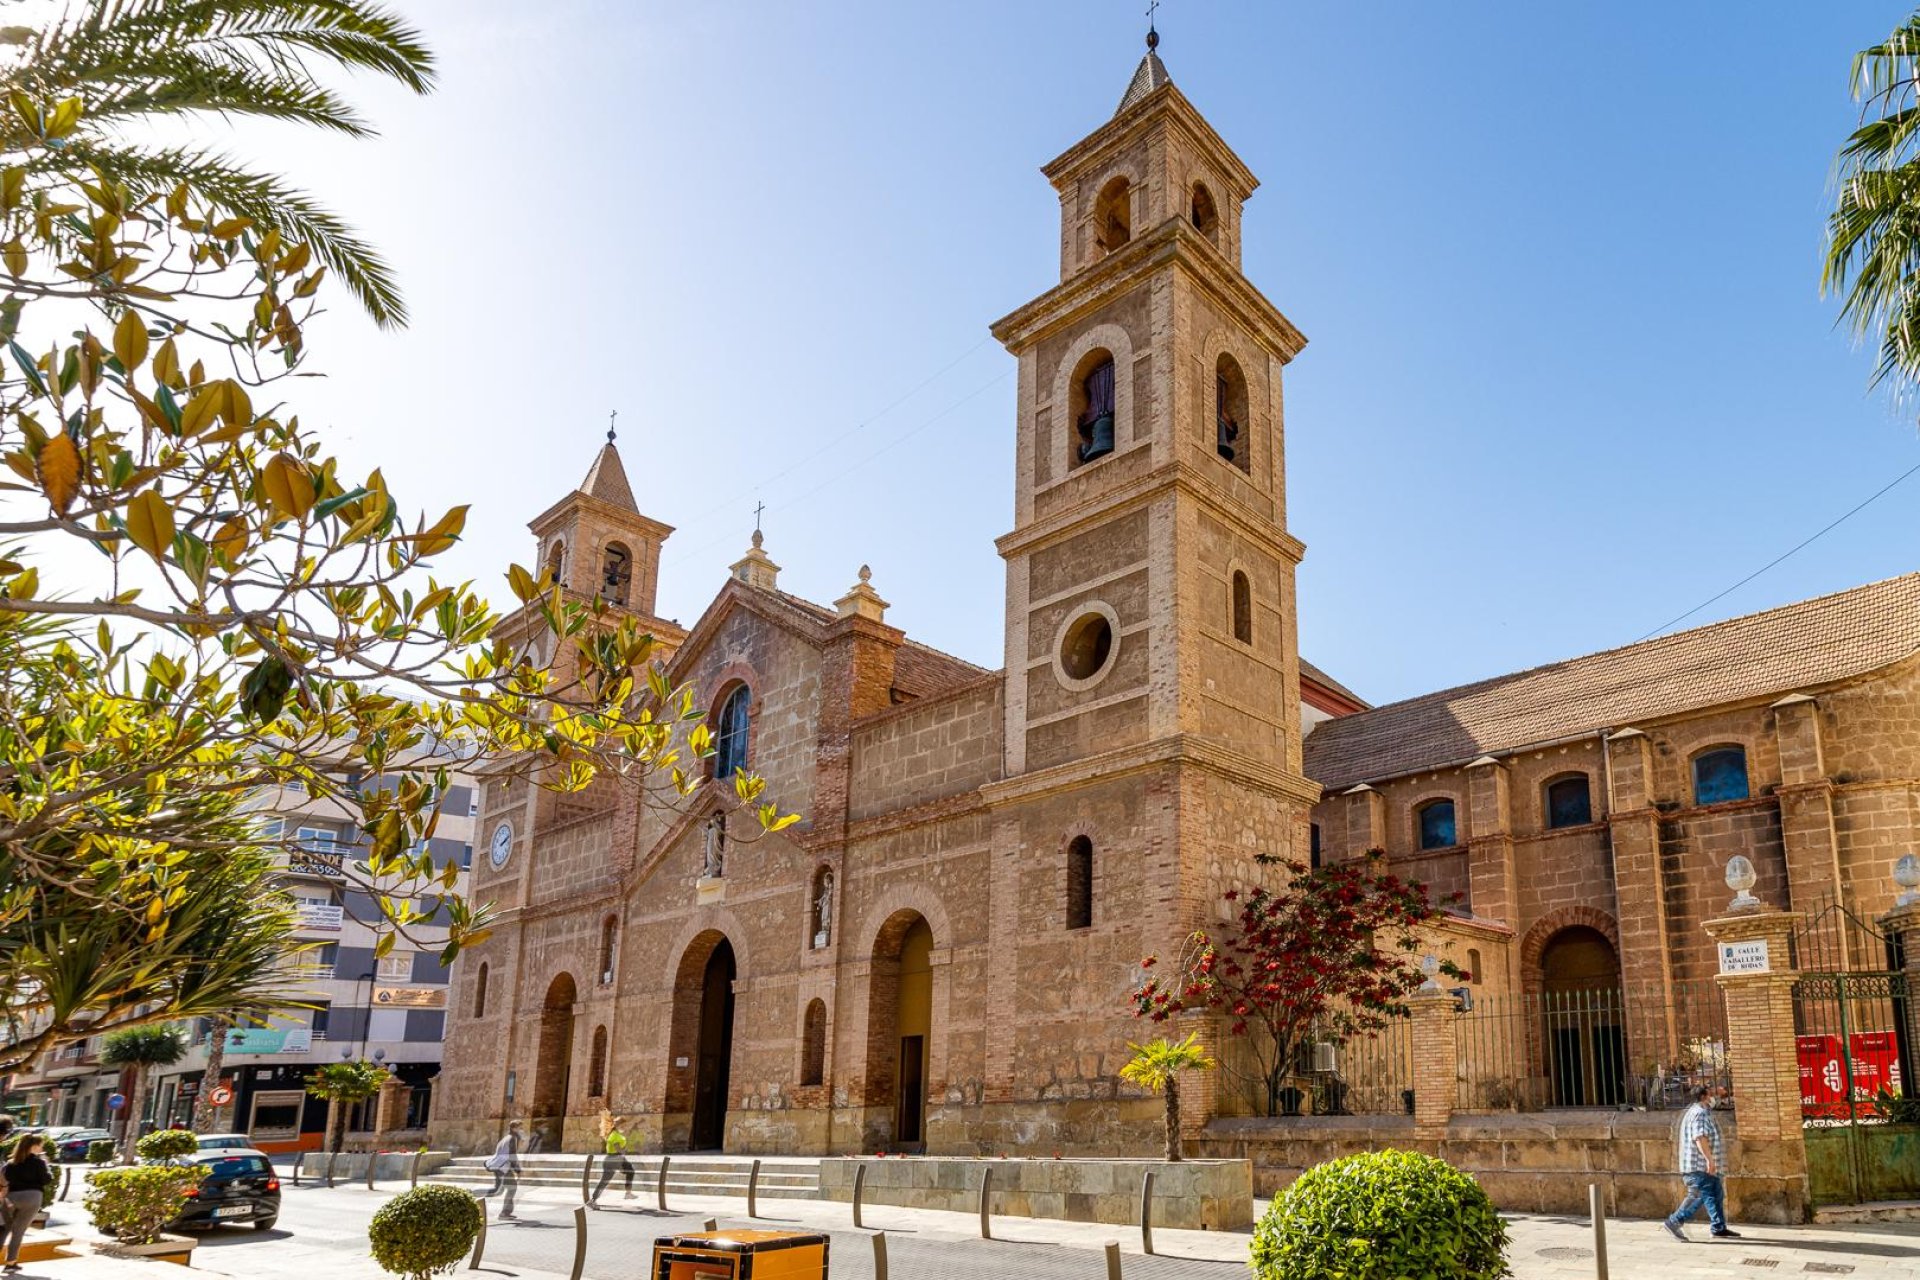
240, 1188
70, 1145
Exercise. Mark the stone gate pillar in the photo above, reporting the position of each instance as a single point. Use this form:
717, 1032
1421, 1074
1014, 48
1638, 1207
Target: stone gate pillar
1435, 1061
1767, 1175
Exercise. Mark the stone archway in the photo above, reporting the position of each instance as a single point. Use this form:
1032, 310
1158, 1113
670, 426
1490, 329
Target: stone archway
700, 1046
1584, 1021
900, 1029
553, 1068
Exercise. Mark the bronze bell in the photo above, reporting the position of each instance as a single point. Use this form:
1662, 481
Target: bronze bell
1098, 435
1227, 431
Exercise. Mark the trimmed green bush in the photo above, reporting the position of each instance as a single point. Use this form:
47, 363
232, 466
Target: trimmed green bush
135, 1205
1383, 1215
100, 1151
425, 1231
167, 1144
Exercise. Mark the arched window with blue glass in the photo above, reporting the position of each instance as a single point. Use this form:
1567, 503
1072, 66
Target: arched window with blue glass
730, 733
1720, 774
1434, 823
1569, 801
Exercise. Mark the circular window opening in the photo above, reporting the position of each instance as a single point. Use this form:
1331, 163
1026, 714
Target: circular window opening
1087, 646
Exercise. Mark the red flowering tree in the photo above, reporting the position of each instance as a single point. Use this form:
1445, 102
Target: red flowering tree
1336, 949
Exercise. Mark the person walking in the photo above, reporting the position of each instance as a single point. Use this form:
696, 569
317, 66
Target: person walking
27, 1175
616, 1161
1703, 1164
504, 1165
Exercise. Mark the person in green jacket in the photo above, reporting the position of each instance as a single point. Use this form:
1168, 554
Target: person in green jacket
616, 1159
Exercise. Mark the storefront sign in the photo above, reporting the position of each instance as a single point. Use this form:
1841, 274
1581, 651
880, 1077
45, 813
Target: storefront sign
1744, 957
269, 1040
411, 997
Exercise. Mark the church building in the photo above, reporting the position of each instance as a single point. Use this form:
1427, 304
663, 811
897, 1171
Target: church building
938, 956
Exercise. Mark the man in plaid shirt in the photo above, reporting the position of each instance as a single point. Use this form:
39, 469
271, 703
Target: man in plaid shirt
1703, 1163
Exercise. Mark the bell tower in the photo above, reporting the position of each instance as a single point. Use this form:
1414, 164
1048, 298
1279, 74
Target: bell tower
1150, 574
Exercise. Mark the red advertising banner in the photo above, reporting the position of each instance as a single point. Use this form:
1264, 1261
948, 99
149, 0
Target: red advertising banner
1874, 1058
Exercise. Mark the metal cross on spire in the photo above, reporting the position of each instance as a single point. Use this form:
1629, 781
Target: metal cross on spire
1153, 36
612, 418
758, 508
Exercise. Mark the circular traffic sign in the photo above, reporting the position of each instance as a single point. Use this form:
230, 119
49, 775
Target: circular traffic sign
221, 1094
115, 1101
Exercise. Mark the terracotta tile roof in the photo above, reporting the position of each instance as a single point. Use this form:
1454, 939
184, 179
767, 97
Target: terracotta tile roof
1798, 646
922, 672
1310, 672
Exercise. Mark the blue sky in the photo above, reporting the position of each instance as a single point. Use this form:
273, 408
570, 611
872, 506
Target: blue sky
1569, 373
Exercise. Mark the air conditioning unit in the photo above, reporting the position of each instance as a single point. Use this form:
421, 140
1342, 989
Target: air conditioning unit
1326, 1056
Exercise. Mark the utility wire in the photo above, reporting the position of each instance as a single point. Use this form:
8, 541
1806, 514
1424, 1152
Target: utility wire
726, 504
895, 443
1877, 495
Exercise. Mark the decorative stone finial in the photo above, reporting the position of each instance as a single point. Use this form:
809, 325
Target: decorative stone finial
861, 600
756, 568
1430, 965
1741, 878
1906, 874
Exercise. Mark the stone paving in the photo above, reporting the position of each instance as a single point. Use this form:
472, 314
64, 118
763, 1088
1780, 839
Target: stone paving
322, 1236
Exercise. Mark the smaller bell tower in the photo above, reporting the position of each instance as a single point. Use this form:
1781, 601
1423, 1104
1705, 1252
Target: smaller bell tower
595, 542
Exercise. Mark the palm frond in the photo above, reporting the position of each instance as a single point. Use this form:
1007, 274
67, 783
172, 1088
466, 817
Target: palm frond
270, 203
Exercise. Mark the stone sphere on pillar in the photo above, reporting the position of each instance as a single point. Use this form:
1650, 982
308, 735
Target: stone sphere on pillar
1741, 878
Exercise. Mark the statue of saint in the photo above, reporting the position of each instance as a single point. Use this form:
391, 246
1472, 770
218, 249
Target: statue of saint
715, 865
823, 911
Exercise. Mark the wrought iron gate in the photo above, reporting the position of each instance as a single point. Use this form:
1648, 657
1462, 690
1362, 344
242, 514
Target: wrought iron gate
1853, 1032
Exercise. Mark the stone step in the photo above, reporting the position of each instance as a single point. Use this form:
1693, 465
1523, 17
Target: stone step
792, 1179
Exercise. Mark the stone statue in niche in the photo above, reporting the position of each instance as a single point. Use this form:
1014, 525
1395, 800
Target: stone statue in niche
715, 864
823, 912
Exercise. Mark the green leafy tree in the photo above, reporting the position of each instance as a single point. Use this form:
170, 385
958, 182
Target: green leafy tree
138, 1050
199, 602
1873, 234
1334, 951
1156, 1066
135, 1205
135, 61
167, 1144
342, 1084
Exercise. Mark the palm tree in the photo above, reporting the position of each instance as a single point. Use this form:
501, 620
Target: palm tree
137, 1049
342, 1084
1156, 1067
1873, 234
129, 62
203, 1107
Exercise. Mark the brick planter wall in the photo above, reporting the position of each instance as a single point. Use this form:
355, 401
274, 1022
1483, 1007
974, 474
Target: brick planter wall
1209, 1195
1540, 1162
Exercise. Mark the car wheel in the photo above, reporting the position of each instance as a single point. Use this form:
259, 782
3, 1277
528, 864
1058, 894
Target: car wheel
262, 1224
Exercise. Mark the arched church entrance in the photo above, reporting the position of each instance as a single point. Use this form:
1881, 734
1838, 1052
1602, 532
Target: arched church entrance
1585, 1035
713, 1055
900, 1027
554, 1066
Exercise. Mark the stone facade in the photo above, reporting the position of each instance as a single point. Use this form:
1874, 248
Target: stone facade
937, 958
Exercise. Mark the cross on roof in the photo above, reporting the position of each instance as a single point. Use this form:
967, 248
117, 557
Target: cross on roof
612, 418
757, 509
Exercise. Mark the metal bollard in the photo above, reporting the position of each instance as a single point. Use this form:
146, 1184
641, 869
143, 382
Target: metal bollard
879, 1255
371, 1157
299, 1158
480, 1240
1113, 1260
986, 1189
586, 1177
859, 1188
753, 1190
660, 1187
579, 1238
413, 1171
66, 1181
1599, 1230
1146, 1214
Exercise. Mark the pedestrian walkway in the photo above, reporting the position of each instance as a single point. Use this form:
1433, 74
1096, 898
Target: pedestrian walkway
322, 1236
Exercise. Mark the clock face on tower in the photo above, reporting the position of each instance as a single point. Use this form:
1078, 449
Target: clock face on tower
502, 847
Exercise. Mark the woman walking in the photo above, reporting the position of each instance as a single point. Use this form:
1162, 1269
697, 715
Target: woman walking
27, 1177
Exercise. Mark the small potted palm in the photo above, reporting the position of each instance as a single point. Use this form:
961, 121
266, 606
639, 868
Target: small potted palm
1156, 1067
